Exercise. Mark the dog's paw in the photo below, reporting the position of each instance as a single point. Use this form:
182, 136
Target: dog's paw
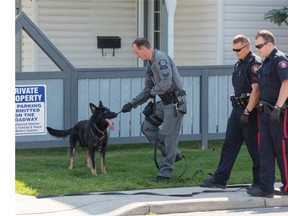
94, 172
103, 170
88, 163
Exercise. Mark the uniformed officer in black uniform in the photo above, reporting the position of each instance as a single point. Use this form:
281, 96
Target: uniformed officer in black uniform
242, 123
273, 83
162, 79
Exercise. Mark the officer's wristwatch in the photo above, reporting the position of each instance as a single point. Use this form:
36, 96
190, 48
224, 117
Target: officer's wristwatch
246, 111
277, 107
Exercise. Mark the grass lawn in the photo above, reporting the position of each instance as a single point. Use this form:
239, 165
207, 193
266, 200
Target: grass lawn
129, 167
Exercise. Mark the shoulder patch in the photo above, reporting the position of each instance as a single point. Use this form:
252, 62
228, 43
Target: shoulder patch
283, 64
163, 64
255, 68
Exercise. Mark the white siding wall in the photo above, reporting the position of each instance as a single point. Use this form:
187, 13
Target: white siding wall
196, 32
196, 28
73, 27
247, 17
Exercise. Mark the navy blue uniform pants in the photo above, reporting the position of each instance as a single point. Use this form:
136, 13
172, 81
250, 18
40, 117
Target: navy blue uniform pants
273, 144
234, 138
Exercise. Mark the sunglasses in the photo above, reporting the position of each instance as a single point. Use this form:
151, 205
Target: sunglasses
238, 50
259, 46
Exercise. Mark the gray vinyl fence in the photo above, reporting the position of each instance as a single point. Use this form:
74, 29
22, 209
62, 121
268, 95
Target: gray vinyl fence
69, 92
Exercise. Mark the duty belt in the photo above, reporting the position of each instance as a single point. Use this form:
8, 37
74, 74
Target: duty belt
241, 101
166, 98
267, 108
172, 97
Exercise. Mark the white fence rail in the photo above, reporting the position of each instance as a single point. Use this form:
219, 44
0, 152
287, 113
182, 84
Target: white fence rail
207, 88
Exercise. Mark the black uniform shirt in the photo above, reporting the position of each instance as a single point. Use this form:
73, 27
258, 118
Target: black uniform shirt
273, 71
245, 74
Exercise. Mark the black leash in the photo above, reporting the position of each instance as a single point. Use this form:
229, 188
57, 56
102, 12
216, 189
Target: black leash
155, 152
118, 112
157, 165
238, 188
197, 172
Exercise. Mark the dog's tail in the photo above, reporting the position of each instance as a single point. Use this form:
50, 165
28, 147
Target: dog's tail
59, 133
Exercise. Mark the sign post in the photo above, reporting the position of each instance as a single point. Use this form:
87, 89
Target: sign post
30, 110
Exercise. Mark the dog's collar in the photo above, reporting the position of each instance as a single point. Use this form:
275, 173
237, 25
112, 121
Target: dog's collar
98, 130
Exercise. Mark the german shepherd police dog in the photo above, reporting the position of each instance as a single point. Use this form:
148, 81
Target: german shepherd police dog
91, 135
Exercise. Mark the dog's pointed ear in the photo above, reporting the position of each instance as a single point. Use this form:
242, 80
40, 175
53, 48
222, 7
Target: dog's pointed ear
93, 108
100, 104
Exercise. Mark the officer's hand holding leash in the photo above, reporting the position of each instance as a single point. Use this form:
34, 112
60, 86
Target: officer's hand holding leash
244, 120
127, 107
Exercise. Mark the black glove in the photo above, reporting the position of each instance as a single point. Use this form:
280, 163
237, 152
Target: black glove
275, 114
127, 108
244, 120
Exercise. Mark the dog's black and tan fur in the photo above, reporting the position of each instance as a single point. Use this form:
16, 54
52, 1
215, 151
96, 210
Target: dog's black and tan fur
90, 135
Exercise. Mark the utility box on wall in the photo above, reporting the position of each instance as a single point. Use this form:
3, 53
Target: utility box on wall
109, 42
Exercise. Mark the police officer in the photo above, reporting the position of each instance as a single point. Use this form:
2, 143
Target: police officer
242, 123
273, 83
162, 79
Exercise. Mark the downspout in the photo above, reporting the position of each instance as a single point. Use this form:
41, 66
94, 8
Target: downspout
141, 26
35, 50
171, 7
220, 33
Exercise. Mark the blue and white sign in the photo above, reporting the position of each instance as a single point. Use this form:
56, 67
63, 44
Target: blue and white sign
30, 109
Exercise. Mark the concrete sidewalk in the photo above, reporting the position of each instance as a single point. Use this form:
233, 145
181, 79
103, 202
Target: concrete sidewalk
141, 202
